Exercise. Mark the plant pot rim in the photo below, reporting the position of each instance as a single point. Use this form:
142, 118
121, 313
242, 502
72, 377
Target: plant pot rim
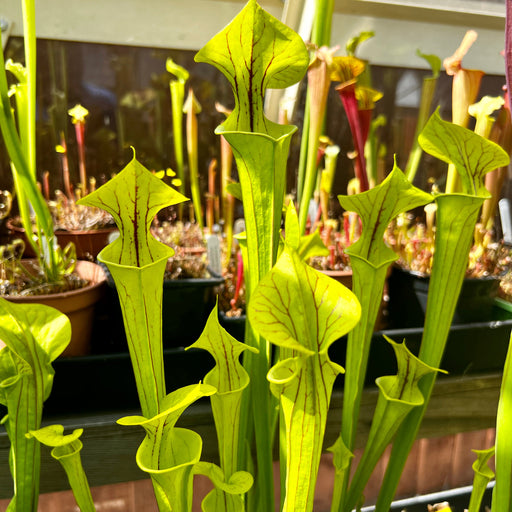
82, 266
214, 280
14, 226
331, 272
422, 275
93, 231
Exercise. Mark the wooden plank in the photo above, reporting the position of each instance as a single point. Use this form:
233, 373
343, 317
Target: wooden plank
458, 404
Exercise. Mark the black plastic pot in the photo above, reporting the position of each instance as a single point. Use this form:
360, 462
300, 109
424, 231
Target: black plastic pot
472, 348
234, 325
186, 306
408, 293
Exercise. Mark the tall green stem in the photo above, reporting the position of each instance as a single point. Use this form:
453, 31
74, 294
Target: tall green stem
256, 52
427, 95
502, 496
370, 259
21, 148
29, 37
137, 262
314, 115
473, 156
177, 88
321, 32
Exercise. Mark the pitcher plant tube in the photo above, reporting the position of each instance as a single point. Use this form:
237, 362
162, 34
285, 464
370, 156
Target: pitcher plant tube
255, 52
472, 156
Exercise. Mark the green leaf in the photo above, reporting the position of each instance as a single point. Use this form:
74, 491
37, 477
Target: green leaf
428, 90
312, 245
226, 497
342, 458
177, 88
472, 155
483, 475
486, 106
291, 227
219, 501
137, 263
66, 449
34, 335
180, 72
263, 194
20, 144
433, 61
238, 483
302, 311
327, 176
457, 214
53, 435
354, 42
255, 52
168, 453
235, 190
482, 111
397, 396
230, 379
133, 197
370, 259
377, 207
502, 495
281, 308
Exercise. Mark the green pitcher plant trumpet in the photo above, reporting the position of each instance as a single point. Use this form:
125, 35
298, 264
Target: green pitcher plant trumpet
370, 260
177, 89
303, 312
472, 156
398, 395
169, 453
34, 336
137, 262
66, 449
255, 52
282, 377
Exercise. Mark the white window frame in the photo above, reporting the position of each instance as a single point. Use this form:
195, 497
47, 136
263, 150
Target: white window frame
401, 26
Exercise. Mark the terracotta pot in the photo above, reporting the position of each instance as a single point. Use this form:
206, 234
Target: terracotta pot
78, 305
342, 276
88, 243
